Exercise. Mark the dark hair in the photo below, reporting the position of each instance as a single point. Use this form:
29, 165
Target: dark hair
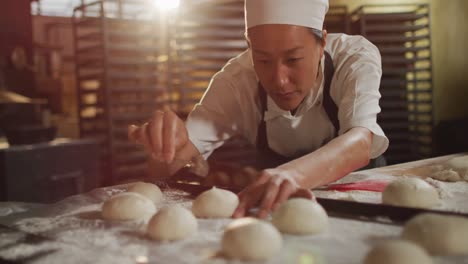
318, 34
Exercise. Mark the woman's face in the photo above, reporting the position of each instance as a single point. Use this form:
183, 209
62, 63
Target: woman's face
286, 60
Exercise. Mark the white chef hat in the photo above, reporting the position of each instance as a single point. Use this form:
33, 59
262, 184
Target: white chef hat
307, 13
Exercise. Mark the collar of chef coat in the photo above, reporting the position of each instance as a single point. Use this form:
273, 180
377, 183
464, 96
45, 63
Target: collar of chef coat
314, 97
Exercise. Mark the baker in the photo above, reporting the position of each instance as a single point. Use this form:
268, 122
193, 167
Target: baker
306, 99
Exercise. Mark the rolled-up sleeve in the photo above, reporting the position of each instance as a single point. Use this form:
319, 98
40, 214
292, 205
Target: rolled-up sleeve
358, 78
213, 119
228, 108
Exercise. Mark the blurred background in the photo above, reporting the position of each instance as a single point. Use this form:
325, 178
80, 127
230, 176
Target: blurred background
75, 73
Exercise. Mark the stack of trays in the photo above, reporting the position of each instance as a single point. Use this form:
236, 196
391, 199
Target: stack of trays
121, 79
402, 34
204, 37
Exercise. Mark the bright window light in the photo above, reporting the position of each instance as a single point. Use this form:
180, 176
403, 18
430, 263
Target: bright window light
167, 4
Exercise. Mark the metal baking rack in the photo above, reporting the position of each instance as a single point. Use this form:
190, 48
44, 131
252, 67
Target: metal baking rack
203, 38
337, 19
402, 34
121, 75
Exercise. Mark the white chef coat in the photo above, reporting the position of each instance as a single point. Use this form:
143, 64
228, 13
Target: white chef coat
231, 106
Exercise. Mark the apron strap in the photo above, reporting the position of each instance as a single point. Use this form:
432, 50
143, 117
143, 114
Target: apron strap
328, 104
262, 142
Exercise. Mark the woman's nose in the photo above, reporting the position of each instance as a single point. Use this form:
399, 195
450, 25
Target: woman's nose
281, 77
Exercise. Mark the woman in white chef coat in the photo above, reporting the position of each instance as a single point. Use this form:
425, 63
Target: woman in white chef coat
306, 99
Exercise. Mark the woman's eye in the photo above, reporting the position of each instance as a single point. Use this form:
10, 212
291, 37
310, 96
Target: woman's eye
292, 60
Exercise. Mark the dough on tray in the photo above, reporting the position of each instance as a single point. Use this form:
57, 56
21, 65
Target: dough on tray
446, 175
458, 163
172, 223
128, 206
410, 192
397, 252
454, 169
300, 216
250, 239
438, 234
215, 203
151, 191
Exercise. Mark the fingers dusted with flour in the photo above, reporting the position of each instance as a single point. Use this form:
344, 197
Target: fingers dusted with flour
162, 136
272, 188
166, 140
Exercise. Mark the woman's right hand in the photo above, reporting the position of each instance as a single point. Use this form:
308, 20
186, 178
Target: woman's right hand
162, 136
272, 188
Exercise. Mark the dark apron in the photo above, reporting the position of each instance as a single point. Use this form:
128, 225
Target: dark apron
267, 158
237, 153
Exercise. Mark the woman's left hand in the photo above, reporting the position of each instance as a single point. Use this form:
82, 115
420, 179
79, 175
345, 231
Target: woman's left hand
271, 189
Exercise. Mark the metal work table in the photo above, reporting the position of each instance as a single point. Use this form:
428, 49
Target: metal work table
73, 231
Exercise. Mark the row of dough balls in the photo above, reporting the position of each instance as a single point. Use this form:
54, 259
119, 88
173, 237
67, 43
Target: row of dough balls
253, 239
246, 238
440, 235
140, 202
250, 238
424, 234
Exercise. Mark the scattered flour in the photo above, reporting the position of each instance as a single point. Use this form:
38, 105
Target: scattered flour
73, 232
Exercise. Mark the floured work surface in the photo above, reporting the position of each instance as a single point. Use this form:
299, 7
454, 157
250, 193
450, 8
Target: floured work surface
454, 195
432, 168
72, 231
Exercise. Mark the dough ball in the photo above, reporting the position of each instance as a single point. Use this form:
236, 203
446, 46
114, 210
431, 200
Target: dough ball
128, 206
215, 203
301, 217
455, 169
250, 239
458, 163
438, 234
397, 252
410, 192
460, 166
446, 175
151, 191
172, 223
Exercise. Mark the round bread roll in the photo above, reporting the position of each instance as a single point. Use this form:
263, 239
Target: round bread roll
128, 206
410, 192
397, 252
250, 239
452, 170
301, 217
151, 191
215, 203
446, 175
438, 234
459, 164
172, 223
